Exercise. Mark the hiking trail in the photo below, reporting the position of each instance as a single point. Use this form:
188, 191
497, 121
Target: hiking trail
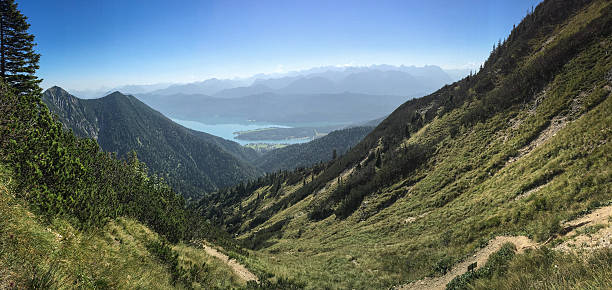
601, 216
241, 271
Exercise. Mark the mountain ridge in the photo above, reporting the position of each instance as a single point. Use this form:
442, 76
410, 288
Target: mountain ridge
345, 108
123, 123
432, 75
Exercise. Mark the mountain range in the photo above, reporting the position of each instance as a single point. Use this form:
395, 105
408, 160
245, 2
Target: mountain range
332, 95
432, 77
340, 108
373, 80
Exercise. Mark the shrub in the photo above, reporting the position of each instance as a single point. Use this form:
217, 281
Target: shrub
496, 265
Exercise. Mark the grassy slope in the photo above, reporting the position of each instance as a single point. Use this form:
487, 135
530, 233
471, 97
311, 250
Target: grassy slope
115, 256
548, 269
467, 192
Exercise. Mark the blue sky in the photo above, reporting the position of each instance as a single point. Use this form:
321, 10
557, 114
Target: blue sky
94, 43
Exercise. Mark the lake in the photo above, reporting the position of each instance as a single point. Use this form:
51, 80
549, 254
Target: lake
226, 131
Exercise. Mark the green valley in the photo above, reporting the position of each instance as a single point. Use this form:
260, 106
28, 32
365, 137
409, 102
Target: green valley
500, 180
515, 149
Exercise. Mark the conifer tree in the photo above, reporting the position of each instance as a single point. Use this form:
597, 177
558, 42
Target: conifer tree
18, 60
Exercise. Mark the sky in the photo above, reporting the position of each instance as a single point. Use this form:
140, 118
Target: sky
106, 43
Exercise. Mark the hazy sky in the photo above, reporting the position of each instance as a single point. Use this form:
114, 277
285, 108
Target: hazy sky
95, 43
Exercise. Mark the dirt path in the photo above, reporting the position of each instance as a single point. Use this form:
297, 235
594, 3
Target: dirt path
242, 272
480, 258
589, 232
571, 229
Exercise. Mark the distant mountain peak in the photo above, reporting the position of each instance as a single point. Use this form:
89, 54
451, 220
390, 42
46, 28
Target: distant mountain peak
192, 162
117, 93
56, 90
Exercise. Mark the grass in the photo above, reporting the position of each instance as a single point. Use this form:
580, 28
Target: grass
590, 230
212, 274
451, 205
497, 264
34, 253
466, 193
548, 269
385, 249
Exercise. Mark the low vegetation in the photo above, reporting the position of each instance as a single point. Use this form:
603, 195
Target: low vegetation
497, 265
39, 253
515, 149
548, 269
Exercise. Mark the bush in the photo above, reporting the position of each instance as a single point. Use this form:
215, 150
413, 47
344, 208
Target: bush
443, 265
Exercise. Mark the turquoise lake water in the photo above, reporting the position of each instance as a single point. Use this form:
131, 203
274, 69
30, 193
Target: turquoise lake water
226, 131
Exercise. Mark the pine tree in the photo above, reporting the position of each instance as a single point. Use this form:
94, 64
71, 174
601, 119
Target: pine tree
18, 60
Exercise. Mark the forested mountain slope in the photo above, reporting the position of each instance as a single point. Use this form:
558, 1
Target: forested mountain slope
192, 162
515, 149
318, 150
